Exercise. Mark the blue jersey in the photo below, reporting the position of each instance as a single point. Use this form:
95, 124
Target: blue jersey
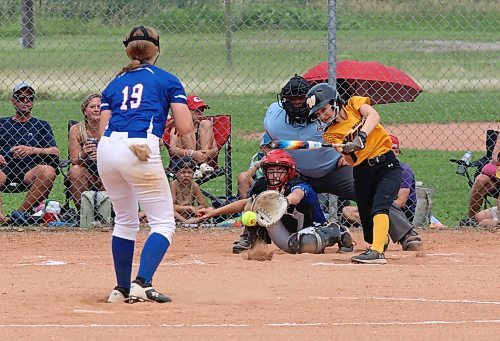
308, 210
313, 163
310, 201
140, 100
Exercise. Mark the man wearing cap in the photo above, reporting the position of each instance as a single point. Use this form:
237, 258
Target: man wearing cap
28, 153
407, 195
200, 144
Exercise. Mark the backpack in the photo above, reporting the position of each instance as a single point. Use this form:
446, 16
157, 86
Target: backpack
95, 209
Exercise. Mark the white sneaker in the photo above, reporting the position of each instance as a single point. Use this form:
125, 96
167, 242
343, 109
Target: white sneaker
118, 295
144, 292
198, 174
206, 169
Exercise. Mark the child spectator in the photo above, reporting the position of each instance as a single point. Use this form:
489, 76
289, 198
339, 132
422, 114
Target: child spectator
186, 194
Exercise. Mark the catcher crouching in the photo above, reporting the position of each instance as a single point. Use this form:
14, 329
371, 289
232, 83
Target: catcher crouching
287, 210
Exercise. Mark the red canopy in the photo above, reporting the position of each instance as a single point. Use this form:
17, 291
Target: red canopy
383, 84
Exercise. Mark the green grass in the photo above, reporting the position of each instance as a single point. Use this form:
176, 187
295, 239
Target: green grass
431, 167
78, 50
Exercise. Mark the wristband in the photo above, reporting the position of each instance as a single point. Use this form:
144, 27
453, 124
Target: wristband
190, 152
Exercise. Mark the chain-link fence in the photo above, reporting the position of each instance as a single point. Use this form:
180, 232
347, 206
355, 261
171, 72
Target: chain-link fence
236, 55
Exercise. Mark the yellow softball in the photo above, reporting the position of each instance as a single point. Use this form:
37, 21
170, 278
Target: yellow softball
249, 218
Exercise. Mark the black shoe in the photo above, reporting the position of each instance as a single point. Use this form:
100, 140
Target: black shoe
468, 222
243, 243
144, 292
369, 257
411, 241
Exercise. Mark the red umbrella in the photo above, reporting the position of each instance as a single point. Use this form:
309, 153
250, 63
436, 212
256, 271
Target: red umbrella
383, 84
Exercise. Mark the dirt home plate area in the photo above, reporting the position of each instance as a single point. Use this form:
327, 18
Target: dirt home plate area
54, 286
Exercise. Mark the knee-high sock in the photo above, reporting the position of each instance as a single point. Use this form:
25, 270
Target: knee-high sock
154, 249
380, 230
123, 255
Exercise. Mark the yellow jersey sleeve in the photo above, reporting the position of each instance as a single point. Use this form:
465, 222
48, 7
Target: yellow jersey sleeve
377, 143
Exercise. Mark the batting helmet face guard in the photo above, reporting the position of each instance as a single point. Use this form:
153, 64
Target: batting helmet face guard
292, 98
279, 169
319, 96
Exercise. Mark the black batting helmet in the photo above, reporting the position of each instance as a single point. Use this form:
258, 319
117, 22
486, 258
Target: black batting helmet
319, 96
297, 86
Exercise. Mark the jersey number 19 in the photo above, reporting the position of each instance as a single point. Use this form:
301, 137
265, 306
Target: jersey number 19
135, 97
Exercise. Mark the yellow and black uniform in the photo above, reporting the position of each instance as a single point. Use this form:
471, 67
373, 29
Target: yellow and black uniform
377, 172
377, 143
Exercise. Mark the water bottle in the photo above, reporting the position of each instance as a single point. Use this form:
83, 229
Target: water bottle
461, 168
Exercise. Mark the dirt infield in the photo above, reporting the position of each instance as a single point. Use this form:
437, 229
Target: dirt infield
54, 286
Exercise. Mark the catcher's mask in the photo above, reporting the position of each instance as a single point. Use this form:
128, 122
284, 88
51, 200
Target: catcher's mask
292, 98
277, 178
319, 96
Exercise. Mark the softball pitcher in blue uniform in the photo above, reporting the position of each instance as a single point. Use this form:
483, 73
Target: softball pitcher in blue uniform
134, 109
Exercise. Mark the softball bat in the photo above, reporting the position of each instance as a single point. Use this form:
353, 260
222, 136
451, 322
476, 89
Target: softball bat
297, 144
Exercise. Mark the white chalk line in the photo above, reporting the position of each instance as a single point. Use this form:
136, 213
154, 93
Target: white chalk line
407, 299
230, 325
85, 311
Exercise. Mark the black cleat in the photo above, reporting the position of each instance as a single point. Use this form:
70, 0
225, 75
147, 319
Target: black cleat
144, 292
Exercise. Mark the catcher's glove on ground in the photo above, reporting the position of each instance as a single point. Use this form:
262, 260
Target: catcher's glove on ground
269, 206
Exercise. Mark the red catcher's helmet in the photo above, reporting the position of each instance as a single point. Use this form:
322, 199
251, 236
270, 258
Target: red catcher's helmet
278, 157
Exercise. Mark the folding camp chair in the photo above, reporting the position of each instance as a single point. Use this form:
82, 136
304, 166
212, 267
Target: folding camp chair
468, 168
65, 164
222, 132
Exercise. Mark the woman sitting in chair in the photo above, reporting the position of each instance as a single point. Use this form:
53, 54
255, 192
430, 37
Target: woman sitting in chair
200, 145
83, 139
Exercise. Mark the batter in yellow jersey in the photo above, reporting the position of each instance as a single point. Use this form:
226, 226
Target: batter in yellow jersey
368, 148
348, 124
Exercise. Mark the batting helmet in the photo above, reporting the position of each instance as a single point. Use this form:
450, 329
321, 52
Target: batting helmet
297, 86
319, 96
278, 157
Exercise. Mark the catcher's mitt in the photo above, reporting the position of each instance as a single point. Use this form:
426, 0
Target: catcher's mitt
269, 206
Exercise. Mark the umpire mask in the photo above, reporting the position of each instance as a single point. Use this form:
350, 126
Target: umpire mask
292, 98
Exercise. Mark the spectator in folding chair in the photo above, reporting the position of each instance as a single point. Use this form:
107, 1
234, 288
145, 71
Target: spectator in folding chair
200, 144
489, 217
29, 157
82, 146
486, 183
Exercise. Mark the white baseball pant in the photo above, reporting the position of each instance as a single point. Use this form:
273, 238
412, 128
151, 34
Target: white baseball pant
130, 181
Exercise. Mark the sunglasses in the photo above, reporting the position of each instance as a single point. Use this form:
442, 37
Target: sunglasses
22, 98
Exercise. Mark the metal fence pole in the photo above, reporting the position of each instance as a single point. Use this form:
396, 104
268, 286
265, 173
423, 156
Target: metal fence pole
229, 33
332, 42
28, 24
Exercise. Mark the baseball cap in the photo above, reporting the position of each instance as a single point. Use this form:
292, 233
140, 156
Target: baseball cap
22, 85
265, 139
395, 142
195, 102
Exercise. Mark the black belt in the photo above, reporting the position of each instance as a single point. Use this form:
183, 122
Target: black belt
378, 159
